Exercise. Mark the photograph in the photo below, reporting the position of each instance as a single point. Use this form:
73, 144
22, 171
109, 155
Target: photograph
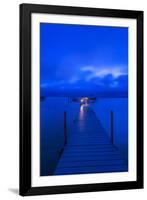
83, 99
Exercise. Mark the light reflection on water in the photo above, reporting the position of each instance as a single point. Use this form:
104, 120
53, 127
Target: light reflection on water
83, 107
81, 114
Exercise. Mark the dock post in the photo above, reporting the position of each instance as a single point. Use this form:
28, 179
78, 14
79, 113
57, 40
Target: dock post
65, 129
112, 127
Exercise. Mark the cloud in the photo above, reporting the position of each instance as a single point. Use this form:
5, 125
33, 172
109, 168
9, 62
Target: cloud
88, 80
95, 86
116, 71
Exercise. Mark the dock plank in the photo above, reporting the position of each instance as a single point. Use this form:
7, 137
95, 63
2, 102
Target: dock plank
89, 149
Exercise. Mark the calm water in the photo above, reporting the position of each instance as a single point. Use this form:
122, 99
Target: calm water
52, 129
52, 126
119, 106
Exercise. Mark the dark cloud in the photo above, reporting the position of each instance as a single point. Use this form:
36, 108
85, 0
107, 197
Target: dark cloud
96, 86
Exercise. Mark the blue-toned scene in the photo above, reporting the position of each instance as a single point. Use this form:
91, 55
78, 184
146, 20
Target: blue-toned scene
83, 99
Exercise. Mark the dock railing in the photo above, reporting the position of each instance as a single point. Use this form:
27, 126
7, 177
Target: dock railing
112, 126
65, 128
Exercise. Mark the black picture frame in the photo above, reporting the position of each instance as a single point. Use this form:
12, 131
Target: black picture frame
25, 187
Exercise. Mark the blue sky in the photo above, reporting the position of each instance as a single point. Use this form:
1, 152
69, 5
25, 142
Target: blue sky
83, 60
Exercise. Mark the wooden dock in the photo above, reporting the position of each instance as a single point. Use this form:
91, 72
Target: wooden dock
88, 148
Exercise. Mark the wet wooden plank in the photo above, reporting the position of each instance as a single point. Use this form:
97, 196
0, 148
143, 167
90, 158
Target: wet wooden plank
88, 149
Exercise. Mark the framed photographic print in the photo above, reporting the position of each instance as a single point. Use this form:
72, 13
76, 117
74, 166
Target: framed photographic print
81, 99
